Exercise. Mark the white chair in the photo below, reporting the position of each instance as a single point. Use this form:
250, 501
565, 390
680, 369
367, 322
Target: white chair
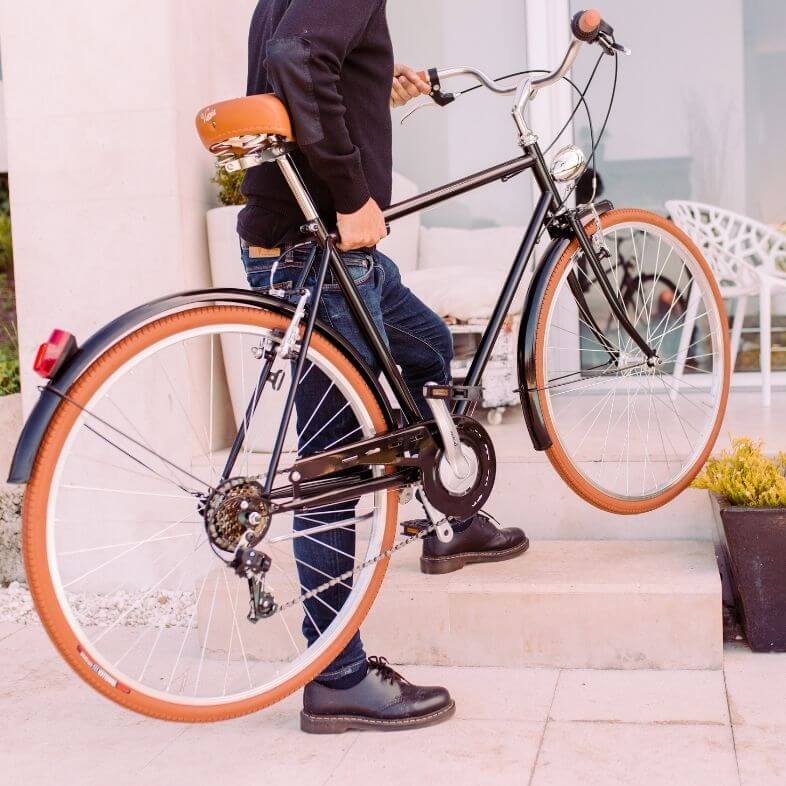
748, 259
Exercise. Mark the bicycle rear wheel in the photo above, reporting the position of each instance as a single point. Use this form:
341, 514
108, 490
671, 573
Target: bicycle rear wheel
126, 575
628, 436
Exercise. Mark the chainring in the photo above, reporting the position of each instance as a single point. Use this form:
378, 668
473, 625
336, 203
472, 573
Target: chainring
235, 507
467, 502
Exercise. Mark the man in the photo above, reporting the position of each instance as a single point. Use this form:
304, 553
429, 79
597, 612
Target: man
331, 62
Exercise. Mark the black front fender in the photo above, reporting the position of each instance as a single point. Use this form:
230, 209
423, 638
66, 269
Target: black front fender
38, 421
530, 402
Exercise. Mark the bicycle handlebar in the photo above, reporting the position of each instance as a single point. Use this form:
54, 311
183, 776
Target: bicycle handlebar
588, 27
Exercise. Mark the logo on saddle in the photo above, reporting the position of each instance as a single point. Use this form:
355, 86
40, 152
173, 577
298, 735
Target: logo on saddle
206, 115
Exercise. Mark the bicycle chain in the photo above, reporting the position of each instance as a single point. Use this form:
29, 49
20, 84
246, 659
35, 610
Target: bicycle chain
351, 573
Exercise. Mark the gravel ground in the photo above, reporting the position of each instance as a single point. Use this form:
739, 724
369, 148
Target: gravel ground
10, 551
161, 609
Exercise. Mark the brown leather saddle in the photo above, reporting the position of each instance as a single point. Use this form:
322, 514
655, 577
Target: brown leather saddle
245, 132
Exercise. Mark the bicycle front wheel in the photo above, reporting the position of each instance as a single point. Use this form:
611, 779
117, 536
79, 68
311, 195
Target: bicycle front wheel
629, 435
132, 585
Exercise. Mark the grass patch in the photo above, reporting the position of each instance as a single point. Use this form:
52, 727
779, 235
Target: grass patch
9, 340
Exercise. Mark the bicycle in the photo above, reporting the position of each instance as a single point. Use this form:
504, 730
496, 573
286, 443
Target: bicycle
146, 502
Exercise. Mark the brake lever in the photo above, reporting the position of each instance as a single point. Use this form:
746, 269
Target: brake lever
427, 104
435, 99
610, 46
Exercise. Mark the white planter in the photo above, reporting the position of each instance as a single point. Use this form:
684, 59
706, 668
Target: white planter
240, 366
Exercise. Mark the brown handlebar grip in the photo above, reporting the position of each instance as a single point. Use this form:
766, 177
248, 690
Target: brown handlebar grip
586, 25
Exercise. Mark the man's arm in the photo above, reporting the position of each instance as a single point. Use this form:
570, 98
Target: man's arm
304, 62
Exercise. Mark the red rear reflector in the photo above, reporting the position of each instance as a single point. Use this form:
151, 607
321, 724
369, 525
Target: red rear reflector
51, 355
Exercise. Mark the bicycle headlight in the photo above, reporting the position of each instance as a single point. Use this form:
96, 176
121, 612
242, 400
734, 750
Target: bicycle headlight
568, 164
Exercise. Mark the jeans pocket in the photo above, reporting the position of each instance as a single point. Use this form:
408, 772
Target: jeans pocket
258, 271
360, 266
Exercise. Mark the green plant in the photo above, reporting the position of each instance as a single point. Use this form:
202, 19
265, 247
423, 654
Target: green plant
9, 368
745, 477
229, 187
6, 247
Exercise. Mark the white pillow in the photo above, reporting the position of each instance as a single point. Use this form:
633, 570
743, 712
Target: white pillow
494, 247
460, 293
402, 245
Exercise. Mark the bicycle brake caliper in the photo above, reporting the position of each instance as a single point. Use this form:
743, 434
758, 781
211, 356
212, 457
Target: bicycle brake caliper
289, 341
598, 241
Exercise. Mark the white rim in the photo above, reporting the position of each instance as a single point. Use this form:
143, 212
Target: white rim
361, 581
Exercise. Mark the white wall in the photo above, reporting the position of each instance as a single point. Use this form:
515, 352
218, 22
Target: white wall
681, 93
438, 145
108, 184
3, 140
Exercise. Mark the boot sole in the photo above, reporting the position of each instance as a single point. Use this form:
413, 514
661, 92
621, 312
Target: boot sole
338, 724
438, 565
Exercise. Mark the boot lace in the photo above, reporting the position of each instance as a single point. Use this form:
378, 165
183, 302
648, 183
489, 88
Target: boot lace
385, 670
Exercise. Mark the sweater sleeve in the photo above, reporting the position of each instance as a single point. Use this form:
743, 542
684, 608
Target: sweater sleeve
304, 60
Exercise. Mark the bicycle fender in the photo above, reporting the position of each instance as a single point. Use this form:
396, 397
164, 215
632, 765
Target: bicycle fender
38, 421
530, 403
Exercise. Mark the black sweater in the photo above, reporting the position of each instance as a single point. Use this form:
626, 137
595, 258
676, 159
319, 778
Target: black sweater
331, 62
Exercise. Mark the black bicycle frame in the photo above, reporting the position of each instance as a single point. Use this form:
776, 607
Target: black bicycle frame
548, 205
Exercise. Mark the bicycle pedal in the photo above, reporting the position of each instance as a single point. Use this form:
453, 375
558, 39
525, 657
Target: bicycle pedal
454, 392
411, 529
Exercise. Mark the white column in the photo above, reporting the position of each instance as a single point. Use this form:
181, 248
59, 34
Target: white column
109, 186
548, 37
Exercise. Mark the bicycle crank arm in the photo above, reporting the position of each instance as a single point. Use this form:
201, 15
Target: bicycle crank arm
448, 432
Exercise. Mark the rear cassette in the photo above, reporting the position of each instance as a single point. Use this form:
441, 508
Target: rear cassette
236, 507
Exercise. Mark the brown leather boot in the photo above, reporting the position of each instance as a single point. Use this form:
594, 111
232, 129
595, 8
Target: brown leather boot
481, 541
382, 701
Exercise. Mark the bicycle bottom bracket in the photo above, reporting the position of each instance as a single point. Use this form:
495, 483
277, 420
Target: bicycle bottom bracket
451, 494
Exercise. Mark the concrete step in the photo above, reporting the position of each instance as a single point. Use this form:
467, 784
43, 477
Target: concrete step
565, 604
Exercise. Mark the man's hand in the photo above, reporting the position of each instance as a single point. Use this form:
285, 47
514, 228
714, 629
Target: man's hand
407, 84
362, 229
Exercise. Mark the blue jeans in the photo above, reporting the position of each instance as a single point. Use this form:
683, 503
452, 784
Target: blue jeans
421, 345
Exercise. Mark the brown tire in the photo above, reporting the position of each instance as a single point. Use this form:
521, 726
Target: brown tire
34, 534
557, 454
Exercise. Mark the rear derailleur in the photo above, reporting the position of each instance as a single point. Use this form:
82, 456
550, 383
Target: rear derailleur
253, 564
237, 518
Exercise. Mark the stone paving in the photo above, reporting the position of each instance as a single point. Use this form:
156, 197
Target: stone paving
535, 727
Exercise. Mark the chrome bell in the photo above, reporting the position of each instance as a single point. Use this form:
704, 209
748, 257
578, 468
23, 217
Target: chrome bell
568, 164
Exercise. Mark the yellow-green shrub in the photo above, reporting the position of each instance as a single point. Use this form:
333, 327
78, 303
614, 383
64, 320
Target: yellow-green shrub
229, 187
745, 477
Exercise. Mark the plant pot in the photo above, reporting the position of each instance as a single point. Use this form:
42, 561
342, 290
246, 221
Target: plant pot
227, 272
753, 544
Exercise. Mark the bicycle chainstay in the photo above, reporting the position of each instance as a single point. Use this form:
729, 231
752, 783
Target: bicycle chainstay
388, 449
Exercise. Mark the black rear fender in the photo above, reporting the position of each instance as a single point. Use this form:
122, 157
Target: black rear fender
38, 421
